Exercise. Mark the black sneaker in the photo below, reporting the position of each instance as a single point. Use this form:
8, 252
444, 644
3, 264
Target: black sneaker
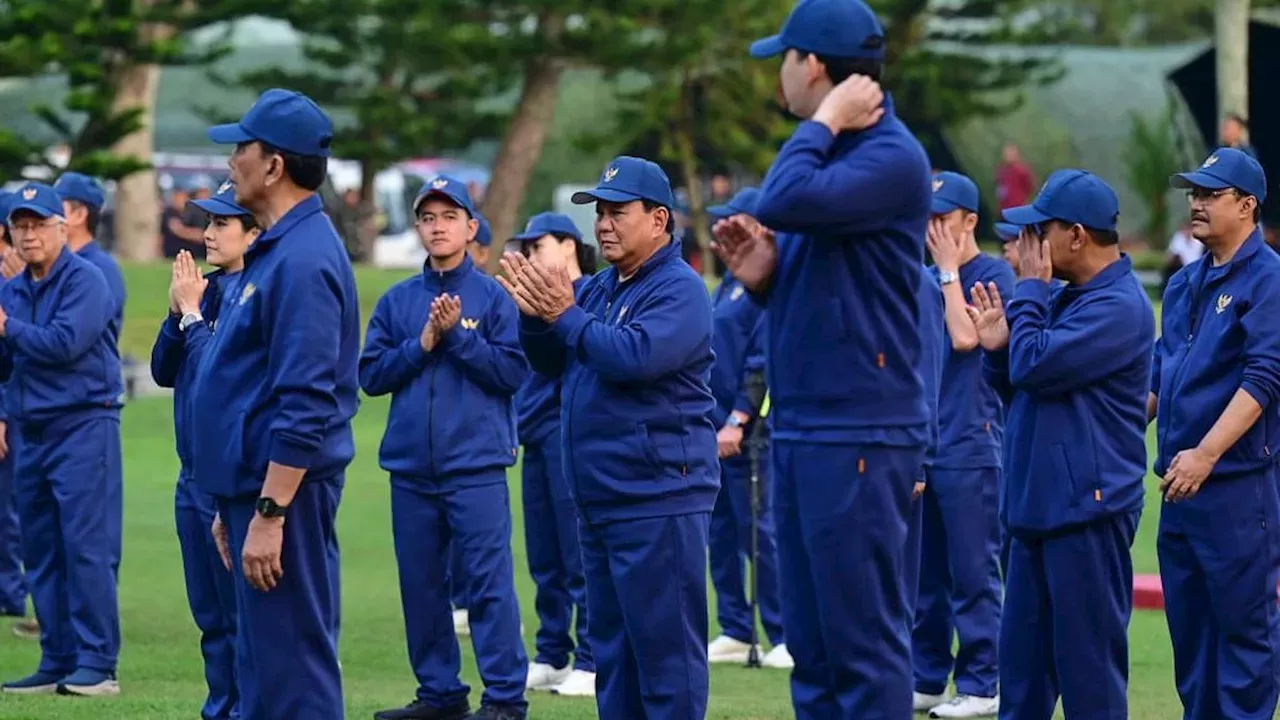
499, 712
419, 710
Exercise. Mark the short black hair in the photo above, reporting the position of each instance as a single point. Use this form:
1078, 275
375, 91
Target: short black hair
306, 171
840, 69
650, 206
248, 222
1257, 204
93, 216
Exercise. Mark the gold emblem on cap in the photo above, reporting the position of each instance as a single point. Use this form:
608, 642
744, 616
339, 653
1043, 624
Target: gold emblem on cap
937, 185
1212, 159
224, 187
29, 193
439, 183
610, 173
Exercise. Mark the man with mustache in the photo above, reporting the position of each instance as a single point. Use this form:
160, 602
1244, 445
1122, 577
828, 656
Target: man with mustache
1214, 391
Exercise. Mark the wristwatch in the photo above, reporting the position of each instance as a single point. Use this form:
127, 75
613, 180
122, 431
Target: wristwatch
188, 320
733, 421
269, 508
946, 278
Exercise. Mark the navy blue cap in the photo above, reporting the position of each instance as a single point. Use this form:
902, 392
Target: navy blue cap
742, 203
484, 233
548, 223
451, 189
223, 203
832, 28
284, 119
81, 188
953, 191
1072, 196
1226, 168
38, 198
627, 179
1007, 232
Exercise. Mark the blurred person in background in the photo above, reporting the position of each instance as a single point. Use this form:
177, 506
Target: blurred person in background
1235, 134
181, 226
61, 366
1183, 250
1015, 182
550, 517
194, 305
478, 247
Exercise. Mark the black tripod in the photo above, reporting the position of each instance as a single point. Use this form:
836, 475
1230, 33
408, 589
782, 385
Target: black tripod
754, 443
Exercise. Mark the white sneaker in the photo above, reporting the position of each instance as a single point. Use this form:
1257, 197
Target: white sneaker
461, 622
580, 683
778, 657
545, 677
725, 649
967, 706
924, 703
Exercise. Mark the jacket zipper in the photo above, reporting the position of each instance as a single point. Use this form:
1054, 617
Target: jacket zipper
1192, 335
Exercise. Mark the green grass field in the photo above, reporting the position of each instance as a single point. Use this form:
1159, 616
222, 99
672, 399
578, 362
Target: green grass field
160, 670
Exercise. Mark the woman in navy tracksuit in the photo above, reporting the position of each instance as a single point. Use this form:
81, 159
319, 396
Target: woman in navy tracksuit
193, 313
550, 517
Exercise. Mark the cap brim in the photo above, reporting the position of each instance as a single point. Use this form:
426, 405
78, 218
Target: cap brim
1197, 179
721, 212
1024, 215
1007, 231
229, 134
586, 197
33, 208
771, 46
221, 208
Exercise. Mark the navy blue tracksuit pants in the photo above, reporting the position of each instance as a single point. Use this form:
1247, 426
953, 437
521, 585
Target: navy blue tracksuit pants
70, 507
211, 595
842, 514
960, 589
555, 557
647, 596
730, 544
286, 646
1065, 626
911, 560
1219, 564
476, 520
13, 586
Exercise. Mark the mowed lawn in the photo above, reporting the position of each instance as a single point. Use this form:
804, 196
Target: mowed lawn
160, 670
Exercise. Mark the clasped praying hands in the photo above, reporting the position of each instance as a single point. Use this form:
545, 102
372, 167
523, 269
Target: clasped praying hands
539, 291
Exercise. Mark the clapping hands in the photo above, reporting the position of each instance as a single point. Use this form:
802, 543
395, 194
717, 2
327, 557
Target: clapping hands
987, 314
539, 291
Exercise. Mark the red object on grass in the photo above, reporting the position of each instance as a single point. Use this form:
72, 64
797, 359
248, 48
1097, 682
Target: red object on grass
1147, 593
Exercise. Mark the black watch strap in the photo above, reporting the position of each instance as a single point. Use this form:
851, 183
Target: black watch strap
269, 508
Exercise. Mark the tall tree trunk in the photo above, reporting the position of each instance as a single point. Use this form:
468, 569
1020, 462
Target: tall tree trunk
523, 141
137, 211
1231, 30
137, 217
690, 173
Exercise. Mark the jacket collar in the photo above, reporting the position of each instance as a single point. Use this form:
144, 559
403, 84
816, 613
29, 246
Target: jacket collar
1112, 273
303, 210
437, 279
64, 257
663, 256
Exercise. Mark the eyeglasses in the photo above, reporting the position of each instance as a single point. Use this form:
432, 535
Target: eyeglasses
1206, 196
31, 228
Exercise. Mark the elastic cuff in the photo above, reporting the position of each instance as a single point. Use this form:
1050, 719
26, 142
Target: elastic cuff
289, 453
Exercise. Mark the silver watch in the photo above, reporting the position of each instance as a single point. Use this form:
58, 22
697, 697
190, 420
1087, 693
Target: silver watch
946, 278
188, 320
